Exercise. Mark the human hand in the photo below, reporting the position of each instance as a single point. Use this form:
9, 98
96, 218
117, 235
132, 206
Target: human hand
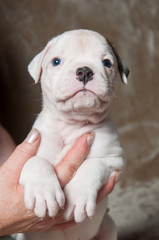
108, 187
7, 145
14, 216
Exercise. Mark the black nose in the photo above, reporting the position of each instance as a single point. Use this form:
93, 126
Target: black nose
84, 74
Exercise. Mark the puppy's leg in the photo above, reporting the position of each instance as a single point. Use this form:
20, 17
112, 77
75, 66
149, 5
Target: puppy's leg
107, 230
42, 191
81, 191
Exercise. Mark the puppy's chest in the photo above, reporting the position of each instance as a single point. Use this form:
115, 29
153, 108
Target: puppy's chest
50, 147
55, 144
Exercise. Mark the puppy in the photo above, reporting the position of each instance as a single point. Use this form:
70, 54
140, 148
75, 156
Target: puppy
79, 73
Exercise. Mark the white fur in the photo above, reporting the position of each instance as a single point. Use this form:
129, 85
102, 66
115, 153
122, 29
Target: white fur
68, 113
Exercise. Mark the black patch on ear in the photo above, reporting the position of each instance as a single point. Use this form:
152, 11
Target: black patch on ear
120, 64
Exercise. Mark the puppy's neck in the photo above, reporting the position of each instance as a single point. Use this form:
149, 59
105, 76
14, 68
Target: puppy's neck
75, 118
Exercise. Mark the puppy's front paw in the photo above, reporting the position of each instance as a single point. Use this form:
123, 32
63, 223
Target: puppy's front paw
80, 203
42, 191
43, 196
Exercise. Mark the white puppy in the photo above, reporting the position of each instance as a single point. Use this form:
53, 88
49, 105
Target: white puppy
79, 72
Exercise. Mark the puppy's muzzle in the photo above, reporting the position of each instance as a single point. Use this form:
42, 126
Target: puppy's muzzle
84, 74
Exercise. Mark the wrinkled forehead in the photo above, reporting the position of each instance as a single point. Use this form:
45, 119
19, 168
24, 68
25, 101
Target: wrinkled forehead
79, 43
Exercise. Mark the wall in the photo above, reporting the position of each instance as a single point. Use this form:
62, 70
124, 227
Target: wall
132, 26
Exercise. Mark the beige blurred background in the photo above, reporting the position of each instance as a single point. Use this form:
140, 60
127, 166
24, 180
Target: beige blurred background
132, 25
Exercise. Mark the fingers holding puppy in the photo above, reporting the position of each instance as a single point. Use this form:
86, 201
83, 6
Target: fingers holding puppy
67, 167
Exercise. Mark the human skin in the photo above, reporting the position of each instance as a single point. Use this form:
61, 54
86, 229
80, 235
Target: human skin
14, 217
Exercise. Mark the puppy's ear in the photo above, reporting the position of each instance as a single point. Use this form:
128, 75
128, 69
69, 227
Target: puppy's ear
122, 67
35, 66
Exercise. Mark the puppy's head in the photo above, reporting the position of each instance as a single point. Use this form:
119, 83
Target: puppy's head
79, 73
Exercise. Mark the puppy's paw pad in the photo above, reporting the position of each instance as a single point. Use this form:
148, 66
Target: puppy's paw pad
52, 207
68, 212
60, 198
29, 198
79, 213
54, 200
90, 208
40, 207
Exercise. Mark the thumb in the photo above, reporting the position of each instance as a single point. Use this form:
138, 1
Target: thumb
21, 154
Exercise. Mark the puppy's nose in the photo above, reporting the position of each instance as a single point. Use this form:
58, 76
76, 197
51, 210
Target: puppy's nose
84, 74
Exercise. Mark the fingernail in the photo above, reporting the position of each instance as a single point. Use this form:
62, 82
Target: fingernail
117, 177
32, 136
90, 138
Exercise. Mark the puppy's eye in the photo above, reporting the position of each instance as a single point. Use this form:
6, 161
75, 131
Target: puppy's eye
56, 62
107, 63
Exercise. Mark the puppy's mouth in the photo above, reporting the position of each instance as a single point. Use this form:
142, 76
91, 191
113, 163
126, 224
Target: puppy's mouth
82, 92
83, 101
